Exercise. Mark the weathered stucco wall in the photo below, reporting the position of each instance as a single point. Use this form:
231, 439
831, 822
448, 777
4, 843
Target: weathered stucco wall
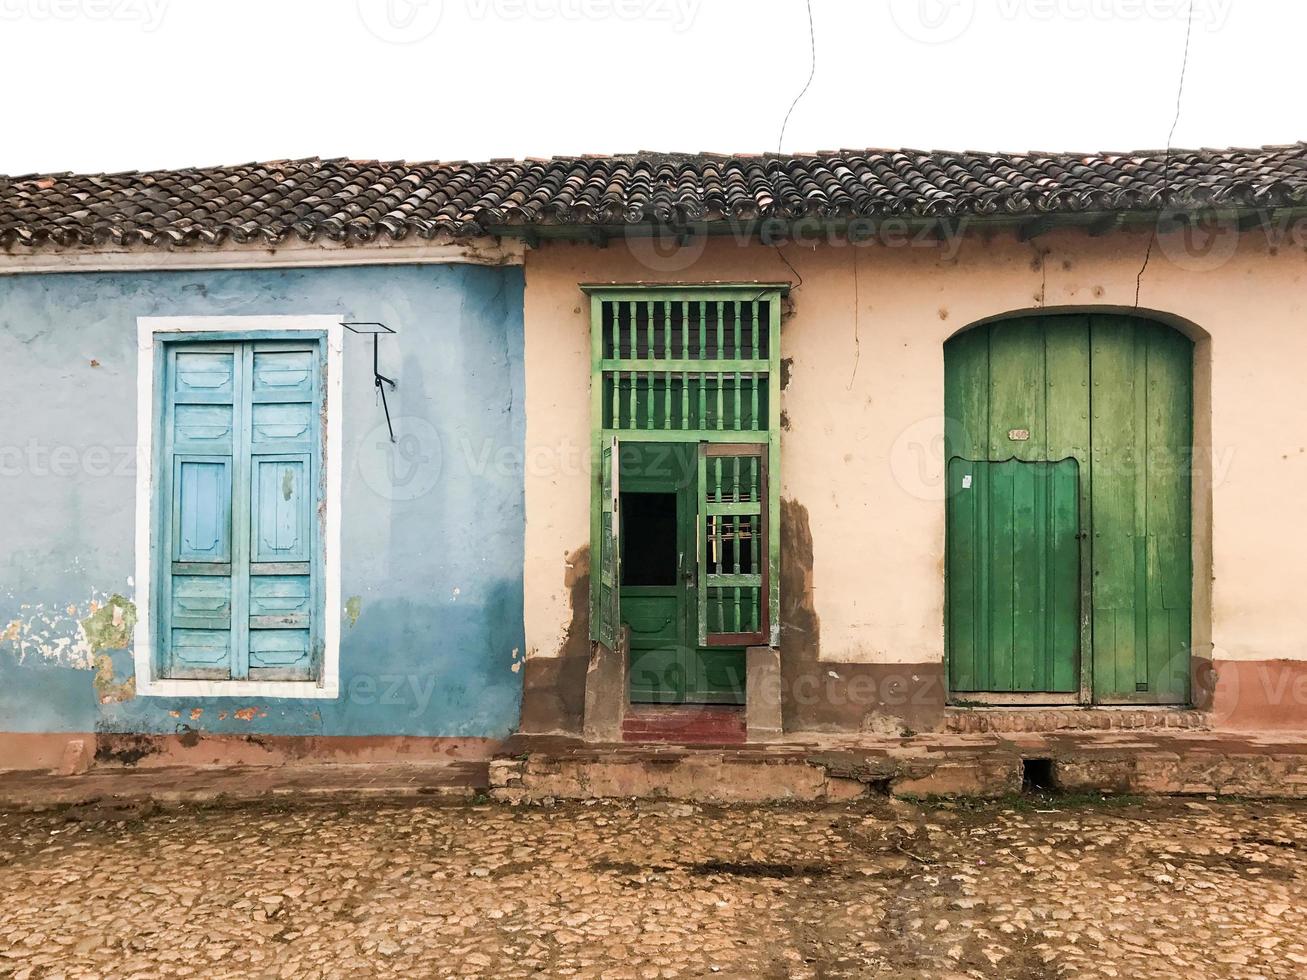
862, 449
432, 529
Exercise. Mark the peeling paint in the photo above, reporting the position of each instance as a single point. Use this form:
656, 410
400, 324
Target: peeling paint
55, 634
353, 606
110, 626
108, 689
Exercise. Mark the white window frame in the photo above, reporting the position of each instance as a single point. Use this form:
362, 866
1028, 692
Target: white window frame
150, 331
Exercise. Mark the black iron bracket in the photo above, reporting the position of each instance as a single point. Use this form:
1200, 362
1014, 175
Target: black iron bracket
379, 380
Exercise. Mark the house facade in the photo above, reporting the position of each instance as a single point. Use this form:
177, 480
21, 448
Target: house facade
389, 461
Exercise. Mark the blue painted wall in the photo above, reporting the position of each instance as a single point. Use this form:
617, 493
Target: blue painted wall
432, 535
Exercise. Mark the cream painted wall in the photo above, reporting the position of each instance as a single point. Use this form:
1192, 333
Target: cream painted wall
863, 451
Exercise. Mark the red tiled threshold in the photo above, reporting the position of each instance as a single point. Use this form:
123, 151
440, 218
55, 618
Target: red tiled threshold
694, 724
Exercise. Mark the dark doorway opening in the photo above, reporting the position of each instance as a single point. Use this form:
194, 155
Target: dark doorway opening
648, 525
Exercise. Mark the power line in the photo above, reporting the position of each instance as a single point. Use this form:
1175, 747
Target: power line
1166, 158
812, 71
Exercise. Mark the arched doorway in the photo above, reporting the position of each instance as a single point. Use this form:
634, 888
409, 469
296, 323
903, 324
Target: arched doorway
1069, 570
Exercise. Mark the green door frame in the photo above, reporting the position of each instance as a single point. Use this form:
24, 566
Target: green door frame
644, 352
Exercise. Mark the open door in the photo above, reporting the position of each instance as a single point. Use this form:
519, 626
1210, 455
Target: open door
609, 619
733, 545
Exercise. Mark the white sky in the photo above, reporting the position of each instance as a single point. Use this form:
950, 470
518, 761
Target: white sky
134, 84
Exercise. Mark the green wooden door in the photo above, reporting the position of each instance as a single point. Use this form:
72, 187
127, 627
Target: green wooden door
1142, 563
1014, 575
1095, 409
661, 581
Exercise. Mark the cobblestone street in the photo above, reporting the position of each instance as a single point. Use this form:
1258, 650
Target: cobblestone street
1025, 889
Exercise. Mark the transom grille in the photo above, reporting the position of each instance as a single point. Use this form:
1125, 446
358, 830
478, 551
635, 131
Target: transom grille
685, 365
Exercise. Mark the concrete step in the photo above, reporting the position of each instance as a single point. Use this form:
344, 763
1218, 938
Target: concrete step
684, 724
1141, 761
126, 786
978, 720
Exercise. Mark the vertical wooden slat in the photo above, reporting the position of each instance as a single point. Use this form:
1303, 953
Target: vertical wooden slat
631, 331
686, 422
721, 331
667, 329
685, 330
963, 561
739, 329
1114, 474
754, 333
702, 421
1140, 349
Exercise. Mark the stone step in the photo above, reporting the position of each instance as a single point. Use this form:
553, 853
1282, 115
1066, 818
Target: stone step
684, 724
1143, 761
978, 720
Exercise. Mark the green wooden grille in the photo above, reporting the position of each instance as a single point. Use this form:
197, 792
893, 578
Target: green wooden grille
685, 365
732, 534
699, 364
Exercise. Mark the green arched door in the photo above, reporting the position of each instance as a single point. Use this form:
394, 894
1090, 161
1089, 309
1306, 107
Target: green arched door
1068, 539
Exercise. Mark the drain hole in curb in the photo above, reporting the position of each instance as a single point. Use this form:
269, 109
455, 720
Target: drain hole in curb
1037, 775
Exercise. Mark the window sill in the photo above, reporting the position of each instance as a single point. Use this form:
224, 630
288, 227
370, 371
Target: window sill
237, 689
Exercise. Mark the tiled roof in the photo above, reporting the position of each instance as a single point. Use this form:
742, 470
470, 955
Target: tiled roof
361, 201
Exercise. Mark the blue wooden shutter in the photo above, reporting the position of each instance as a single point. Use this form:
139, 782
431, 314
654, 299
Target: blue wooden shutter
200, 446
284, 427
242, 481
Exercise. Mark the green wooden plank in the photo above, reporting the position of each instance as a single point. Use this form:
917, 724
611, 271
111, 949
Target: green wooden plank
1169, 586
1066, 395
731, 507
1113, 507
1016, 390
731, 580
966, 394
1064, 591
963, 513
1137, 673
1002, 578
